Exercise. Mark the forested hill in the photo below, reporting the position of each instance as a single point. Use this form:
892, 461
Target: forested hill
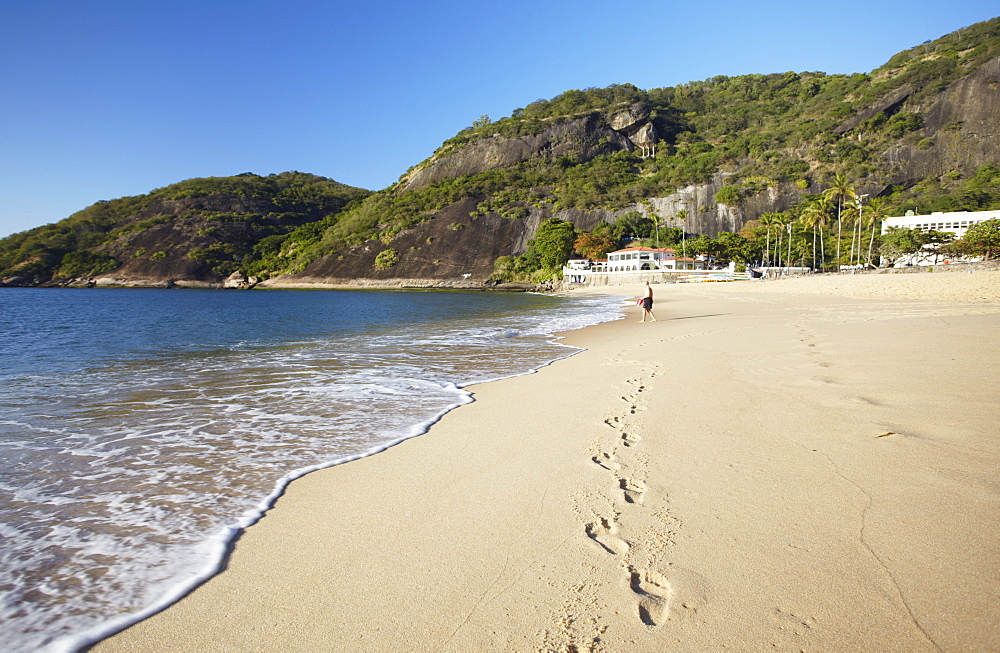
199, 230
709, 157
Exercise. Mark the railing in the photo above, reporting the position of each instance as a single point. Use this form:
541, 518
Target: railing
656, 275
713, 275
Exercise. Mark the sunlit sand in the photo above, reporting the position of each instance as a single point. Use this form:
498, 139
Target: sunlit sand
799, 464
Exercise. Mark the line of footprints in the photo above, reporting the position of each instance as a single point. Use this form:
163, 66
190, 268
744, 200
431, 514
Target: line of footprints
651, 589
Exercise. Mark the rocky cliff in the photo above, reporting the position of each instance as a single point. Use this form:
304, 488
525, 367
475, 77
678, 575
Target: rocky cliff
580, 138
961, 129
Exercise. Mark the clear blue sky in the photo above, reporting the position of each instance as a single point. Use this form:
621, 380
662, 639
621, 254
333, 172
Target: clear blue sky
107, 98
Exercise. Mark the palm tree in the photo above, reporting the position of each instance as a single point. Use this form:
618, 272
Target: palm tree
839, 190
682, 215
780, 223
811, 216
768, 220
876, 214
851, 217
859, 223
789, 222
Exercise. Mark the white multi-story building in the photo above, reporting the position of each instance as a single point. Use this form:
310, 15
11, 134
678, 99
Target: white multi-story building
956, 222
953, 222
641, 258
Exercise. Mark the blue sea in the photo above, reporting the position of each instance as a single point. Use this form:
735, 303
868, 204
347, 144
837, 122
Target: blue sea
140, 430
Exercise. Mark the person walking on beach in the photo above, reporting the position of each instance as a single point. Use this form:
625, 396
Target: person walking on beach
647, 304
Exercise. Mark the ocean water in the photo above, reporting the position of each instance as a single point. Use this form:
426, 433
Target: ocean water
141, 429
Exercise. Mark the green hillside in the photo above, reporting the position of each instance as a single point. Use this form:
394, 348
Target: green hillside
228, 221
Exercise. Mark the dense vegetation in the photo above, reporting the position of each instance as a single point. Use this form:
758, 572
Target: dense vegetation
95, 240
810, 235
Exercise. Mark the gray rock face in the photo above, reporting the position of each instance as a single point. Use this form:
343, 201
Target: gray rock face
235, 280
889, 104
645, 136
635, 124
635, 115
961, 129
582, 138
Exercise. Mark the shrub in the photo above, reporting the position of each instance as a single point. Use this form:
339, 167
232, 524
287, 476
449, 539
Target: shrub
82, 263
386, 259
903, 122
729, 195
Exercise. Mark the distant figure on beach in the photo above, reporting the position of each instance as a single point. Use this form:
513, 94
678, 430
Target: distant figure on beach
647, 304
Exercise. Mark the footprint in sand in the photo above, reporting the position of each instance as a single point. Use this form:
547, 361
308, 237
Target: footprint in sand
629, 439
799, 623
605, 533
612, 422
607, 461
633, 490
653, 591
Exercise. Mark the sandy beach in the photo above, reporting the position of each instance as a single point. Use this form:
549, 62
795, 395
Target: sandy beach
803, 464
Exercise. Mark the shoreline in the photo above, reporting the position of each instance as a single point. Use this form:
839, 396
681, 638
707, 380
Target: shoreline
223, 540
614, 499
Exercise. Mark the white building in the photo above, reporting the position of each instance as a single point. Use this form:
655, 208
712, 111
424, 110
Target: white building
631, 262
641, 258
953, 222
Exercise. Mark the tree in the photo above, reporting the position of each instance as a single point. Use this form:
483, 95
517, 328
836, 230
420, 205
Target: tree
682, 215
840, 190
734, 247
670, 236
594, 246
703, 246
900, 242
514, 268
935, 240
82, 263
781, 223
814, 215
983, 239
553, 243
876, 214
769, 220
632, 224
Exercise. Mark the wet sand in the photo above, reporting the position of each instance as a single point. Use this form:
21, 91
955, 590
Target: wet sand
799, 464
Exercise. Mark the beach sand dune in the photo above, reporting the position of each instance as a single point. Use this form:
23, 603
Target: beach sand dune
800, 465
